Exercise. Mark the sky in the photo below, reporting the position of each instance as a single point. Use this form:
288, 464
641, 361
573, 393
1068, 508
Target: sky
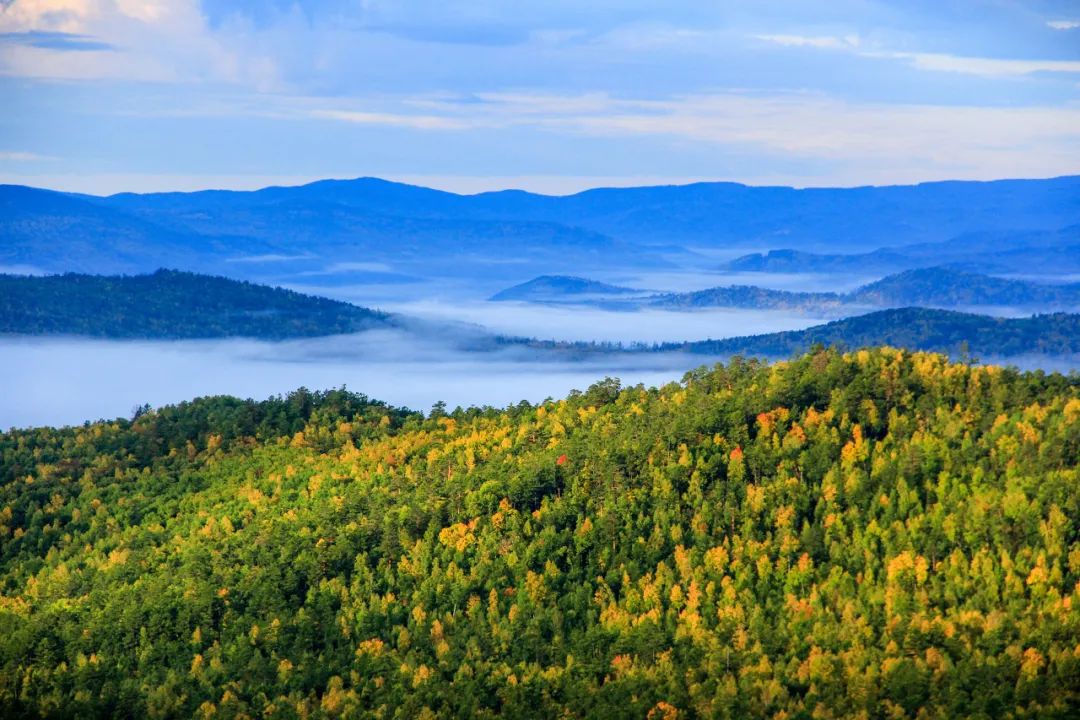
103, 96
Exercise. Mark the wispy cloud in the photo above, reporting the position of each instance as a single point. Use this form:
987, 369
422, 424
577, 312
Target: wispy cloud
822, 42
268, 258
51, 40
19, 156
342, 268
986, 67
421, 122
965, 141
892, 90
936, 62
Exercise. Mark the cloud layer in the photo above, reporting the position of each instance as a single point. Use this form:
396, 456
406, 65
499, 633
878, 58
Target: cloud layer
209, 93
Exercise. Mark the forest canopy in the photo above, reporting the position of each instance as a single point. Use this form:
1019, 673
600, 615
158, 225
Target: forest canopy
170, 304
872, 534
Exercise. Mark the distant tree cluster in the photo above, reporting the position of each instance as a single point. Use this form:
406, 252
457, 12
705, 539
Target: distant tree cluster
170, 305
944, 331
877, 534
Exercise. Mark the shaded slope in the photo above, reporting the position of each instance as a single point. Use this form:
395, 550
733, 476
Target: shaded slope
916, 329
171, 305
944, 287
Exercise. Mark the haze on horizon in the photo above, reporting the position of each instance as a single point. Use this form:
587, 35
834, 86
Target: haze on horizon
103, 96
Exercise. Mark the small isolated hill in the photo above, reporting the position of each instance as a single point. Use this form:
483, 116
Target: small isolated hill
561, 287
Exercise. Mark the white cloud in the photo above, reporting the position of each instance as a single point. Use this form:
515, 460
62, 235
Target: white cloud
54, 15
987, 67
1064, 24
937, 62
154, 41
109, 183
268, 258
346, 267
420, 122
868, 140
18, 156
821, 42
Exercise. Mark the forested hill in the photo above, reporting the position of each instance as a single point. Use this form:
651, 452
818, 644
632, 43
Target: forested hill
944, 287
915, 329
940, 287
171, 305
559, 287
877, 534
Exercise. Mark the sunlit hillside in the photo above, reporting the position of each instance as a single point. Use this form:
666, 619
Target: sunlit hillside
875, 534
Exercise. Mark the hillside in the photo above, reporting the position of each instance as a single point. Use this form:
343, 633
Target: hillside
561, 287
170, 305
879, 534
785, 260
915, 329
952, 288
59, 232
751, 297
935, 287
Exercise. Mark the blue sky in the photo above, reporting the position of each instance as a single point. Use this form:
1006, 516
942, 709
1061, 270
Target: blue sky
109, 95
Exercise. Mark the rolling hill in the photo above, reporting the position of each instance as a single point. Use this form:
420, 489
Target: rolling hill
942, 287
939, 287
171, 305
870, 534
562, 288
915, 329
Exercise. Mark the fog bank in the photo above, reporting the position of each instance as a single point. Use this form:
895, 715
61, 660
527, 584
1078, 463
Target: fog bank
52, 381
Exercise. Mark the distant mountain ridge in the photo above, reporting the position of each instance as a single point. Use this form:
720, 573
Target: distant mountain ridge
930, 287
420, 229
1047, 252
171, 305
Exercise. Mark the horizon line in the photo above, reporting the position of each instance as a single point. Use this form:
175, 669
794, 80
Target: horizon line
418, 184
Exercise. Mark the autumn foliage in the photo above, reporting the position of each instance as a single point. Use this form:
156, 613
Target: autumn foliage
877, 534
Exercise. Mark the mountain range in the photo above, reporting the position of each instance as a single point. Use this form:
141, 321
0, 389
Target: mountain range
374, 226
940, 287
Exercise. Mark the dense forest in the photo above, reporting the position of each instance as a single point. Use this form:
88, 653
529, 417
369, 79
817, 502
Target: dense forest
876, 534
956, 333
944, 287
169, 304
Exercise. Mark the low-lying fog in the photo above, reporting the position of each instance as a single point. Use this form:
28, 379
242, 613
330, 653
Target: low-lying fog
585, 323
68, 381
53, 381
59, 381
